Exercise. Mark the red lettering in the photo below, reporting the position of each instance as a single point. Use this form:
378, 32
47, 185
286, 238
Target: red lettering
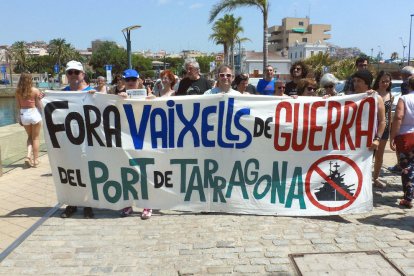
346, 125
287, 136
305, 116
370, 101
314, 127
332, 126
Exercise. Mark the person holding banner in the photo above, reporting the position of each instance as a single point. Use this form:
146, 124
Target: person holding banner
28, 105
362, 80
76, 79
193, 83
280, 88
224, 79
402, 140
130, 77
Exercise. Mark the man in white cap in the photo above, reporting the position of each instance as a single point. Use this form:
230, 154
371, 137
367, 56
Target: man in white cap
75, 75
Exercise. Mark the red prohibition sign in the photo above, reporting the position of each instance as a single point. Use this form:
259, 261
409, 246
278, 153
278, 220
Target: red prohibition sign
315, 168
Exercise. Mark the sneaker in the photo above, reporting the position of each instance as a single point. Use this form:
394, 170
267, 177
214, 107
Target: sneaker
88, 213
146, 214
395, 169
379, 184
69, 211
126, 212
406, 203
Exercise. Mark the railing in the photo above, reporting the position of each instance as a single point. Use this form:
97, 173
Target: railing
13, 146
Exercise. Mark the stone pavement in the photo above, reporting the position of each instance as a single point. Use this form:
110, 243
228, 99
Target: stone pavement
185, 243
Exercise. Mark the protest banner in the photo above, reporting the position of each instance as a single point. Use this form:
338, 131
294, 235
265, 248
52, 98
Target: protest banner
237, 154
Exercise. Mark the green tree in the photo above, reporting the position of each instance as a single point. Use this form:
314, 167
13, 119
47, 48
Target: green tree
41, 64
108, 53
343, 68
229, 5
62, 52
204, 63
317, 62
226, 31
19, 53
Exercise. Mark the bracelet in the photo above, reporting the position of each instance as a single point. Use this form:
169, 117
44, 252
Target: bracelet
377, 138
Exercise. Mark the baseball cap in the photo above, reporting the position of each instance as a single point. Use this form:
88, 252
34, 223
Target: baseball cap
74, 65
130, 73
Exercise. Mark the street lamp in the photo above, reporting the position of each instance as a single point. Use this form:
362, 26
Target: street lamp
128, 30
402, 42
409, 42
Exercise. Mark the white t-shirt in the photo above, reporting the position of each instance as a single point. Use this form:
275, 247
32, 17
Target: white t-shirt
407, 124
217, 90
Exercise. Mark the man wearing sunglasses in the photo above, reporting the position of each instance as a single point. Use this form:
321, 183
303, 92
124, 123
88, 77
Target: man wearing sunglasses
76, 77
224, 79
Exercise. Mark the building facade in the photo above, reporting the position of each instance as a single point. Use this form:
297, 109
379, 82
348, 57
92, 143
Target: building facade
296, 30
300, 51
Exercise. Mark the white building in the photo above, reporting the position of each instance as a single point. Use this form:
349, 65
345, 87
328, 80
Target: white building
300, 51
252, 63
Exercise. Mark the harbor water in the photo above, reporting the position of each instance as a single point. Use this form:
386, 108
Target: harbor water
7, 111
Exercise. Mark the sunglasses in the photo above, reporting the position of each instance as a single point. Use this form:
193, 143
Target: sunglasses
328, 86
130, 79
222, 75
297, 68
281, 87
311, 88
71, 72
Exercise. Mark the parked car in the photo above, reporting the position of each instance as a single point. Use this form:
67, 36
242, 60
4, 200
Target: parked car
395, 92
5, 81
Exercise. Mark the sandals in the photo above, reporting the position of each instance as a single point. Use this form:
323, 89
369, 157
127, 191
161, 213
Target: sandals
28, 162
406, 203
35, 163
379, 184
146, 214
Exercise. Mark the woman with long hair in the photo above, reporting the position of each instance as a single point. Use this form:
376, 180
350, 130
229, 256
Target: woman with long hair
28, 105
382, 85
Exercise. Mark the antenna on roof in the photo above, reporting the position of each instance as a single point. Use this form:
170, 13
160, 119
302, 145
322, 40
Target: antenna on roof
309, 11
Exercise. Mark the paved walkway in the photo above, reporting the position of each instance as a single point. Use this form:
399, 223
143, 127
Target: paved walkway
180, 243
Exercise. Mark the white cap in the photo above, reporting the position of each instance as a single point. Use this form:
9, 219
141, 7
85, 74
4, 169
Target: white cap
75, 65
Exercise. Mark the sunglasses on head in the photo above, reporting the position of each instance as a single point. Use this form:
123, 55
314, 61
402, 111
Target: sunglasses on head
71, 72
222, 75
328, 86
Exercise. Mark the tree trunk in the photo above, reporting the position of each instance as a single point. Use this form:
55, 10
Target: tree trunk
265, 45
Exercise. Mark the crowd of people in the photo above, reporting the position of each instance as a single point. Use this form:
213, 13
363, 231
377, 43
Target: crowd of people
400, 132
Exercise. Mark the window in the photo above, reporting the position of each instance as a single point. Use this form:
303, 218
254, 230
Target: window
296, 54
300, 23
312, 52
291, 55
300, 54
304, 39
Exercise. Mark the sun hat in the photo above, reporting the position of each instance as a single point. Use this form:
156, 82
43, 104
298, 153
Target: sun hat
74, 65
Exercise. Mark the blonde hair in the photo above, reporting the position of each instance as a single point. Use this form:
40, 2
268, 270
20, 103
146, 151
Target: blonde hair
24, 87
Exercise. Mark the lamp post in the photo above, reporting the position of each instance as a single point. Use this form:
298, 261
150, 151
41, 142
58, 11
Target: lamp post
409, 42
402, 43
128, 30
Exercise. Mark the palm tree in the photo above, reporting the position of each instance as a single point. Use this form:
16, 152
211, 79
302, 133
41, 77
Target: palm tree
226, 32
229, 5
19, 52
394, 55
59, 50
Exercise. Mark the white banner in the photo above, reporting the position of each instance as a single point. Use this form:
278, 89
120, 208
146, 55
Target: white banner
236, 154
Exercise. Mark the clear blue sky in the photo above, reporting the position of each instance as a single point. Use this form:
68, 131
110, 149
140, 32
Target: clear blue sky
174, 25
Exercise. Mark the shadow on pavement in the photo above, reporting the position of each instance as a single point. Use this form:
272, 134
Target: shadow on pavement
27, 212
391, 220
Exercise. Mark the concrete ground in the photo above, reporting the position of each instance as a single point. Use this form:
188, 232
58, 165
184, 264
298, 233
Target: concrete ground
380, 242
